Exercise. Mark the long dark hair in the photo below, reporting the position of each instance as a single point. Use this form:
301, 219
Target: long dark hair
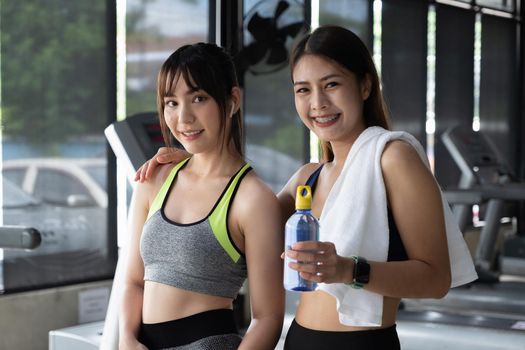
343, 47
205, 67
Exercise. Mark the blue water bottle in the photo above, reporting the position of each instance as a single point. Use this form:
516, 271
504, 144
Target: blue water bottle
301, 226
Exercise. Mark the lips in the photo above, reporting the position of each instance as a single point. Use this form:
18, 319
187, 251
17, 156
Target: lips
326, 120
191, 134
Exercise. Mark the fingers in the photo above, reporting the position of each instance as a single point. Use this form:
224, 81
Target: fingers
311, 263
137, 174
140, 174
318, 278
317, 262
313, 272
314, 246
307, 257
154, 162
165, 155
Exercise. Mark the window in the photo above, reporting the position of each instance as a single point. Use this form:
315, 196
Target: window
276, 140
58, 188
154, 29
56, 87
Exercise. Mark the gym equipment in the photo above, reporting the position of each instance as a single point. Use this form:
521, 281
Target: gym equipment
19, 237
486, 180
135, 139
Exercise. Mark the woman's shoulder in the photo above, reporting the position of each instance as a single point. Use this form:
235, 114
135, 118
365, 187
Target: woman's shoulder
401, 159
308, 169
253, 186
162, 174
301, 176
398, 153
254, 195
153, 184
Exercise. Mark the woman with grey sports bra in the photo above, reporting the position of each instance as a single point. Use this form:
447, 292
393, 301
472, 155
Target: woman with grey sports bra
201, 226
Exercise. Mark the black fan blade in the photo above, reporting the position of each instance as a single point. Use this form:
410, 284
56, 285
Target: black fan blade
278, 54
281, 7
255, 52
292, 29
260, 27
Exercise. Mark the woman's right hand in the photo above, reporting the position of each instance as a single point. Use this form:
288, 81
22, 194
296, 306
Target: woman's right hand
164, 155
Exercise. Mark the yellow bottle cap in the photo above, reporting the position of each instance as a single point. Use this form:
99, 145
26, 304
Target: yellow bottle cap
303, 198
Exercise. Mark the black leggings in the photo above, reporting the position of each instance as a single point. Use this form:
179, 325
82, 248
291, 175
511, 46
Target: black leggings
214, 329
302, 338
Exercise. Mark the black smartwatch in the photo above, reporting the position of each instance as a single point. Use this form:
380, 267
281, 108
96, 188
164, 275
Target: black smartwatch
361, 272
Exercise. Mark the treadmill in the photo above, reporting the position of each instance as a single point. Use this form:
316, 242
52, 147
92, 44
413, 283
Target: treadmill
134, 140
487, 181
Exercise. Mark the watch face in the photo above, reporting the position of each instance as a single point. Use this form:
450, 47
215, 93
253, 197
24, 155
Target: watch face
362, 272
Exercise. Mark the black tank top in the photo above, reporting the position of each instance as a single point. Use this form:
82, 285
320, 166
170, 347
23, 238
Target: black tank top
396, 249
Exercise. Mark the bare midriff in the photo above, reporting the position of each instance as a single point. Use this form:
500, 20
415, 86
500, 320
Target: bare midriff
317, 310
163, 303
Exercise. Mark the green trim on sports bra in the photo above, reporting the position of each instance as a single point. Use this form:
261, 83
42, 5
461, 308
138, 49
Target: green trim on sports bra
219, 217
159, 199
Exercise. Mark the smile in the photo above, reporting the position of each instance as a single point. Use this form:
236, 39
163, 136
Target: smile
191, 133
326, 119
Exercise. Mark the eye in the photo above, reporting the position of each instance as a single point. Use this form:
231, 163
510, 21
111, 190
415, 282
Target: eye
332, 84
171, 103
301, 90
199, 98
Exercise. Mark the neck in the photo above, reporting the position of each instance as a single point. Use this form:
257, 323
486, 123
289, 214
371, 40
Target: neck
222, 162
341, 149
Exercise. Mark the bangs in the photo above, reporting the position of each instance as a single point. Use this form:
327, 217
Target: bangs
171, 78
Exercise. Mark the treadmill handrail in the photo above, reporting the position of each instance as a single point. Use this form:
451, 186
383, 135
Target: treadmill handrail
511, 191
19, 237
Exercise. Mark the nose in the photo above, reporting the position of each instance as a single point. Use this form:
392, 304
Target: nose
318, 101
185, 114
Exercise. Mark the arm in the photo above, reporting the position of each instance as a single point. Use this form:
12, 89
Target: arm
286, 196
415, 201
164, 155
131, 308
260, 220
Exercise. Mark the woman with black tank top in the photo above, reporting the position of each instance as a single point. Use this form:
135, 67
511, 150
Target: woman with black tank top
201, 226
338, 97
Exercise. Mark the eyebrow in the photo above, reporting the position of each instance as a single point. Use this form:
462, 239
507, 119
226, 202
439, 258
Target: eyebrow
188, 92
326, 77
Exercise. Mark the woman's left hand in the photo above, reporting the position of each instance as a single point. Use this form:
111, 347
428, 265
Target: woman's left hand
319, 262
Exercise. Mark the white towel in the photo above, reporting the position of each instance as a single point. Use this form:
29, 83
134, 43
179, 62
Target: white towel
355, 219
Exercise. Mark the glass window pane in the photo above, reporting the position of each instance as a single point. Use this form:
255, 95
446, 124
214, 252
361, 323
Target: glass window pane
275, 136
351, 14
54, 85
15, 176
503, 5
154, 29
56, 187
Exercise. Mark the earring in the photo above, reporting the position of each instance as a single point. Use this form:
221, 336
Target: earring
231, 113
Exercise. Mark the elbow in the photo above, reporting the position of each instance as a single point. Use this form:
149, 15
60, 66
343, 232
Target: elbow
442, 285
271, 321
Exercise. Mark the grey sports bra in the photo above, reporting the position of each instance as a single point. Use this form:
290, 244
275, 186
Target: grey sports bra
199, 257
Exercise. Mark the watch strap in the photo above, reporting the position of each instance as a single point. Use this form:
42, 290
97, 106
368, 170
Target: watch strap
357, 262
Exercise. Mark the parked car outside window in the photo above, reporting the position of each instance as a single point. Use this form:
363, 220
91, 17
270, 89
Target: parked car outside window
66, 200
